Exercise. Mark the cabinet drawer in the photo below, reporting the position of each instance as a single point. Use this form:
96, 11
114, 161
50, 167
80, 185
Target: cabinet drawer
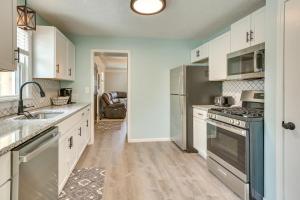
202, 114
69, 123
5, 168
5, 191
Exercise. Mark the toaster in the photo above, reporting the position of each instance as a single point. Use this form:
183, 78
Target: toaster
224, 101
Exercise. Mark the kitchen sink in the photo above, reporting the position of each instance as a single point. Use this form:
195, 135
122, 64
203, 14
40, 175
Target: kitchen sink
38, 115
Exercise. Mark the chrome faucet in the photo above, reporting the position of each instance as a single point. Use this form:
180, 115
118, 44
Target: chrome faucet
21, 106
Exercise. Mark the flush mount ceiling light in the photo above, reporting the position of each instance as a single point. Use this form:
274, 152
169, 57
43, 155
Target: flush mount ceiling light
26, 17
148, 7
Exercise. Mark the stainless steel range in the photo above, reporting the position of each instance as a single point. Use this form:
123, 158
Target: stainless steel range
235, 145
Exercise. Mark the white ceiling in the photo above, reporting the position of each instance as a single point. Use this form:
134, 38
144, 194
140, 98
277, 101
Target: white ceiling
182, 19
114, 61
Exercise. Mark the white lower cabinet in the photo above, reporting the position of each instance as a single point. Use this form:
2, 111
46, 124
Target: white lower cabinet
5, 175
5, 191
200, 131
73, 140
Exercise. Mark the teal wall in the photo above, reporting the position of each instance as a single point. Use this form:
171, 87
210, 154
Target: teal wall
151, 60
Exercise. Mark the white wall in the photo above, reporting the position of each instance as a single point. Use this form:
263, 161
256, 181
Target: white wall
116, 81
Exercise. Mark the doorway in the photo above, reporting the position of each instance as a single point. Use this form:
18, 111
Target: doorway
110, 85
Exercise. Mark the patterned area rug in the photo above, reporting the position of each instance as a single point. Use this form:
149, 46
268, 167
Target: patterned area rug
84, 184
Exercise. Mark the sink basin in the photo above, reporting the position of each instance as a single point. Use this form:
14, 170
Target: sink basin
39, 115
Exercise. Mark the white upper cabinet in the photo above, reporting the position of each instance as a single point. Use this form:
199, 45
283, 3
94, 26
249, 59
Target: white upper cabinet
248, 31
200, 53
53, 54
8, 33
240, 34
61, 55
258, 26
218, 50
71, 61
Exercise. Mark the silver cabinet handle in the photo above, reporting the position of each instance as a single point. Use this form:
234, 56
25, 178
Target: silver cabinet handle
251, 35
247, 37
36, 152
17, 51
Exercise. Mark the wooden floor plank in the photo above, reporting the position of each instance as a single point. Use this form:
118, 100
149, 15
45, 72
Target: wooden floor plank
149, 171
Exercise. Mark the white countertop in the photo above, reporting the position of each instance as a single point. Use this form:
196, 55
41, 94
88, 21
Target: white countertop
15, 132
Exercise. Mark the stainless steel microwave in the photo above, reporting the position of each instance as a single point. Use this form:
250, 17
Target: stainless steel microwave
247, 64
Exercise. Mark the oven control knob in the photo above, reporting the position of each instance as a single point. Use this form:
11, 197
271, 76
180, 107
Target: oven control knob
237, 122
231, 121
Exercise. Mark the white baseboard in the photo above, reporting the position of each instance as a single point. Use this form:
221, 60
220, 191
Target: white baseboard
149, 140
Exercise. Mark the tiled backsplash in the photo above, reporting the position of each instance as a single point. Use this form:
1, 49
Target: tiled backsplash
235, 88
50, 87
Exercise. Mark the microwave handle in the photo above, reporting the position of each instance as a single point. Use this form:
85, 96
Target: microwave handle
256, 67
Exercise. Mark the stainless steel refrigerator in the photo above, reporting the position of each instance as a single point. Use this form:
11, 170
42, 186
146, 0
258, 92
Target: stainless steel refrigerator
189, 86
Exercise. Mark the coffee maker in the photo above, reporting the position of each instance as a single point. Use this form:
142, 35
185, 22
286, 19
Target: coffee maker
66, 92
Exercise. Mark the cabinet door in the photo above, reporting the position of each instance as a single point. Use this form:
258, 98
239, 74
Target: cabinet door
80, 138
61, 56
195, 55
88, 125
218, 50
196, 133
71, 61
258, 26
8, 35
240, 34
67, 156
202, 138
5, 191
64, 159
204, 51
200, 53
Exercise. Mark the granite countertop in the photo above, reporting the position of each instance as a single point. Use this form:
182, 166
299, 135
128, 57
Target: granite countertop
204, 107
15, 132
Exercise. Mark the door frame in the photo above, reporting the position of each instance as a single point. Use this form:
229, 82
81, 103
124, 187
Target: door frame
128, 126
279, 133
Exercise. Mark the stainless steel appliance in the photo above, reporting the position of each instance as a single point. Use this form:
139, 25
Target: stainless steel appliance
223, 101
235, 145
66, 92
189, 86
247, 64
35, 168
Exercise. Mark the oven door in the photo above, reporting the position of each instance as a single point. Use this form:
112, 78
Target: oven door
229, 146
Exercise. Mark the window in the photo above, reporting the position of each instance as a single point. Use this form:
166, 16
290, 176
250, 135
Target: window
11, 81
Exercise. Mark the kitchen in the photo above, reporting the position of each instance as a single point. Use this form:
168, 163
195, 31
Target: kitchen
251, 59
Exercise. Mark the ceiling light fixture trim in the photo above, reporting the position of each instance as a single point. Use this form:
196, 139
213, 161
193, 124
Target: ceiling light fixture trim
148, 7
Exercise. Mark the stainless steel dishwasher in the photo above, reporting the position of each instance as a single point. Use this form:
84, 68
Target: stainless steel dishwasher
35, 168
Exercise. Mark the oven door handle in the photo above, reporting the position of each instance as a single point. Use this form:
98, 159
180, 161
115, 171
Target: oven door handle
226, 127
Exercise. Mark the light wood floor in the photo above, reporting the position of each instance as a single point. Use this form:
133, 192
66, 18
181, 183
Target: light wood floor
150, 171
